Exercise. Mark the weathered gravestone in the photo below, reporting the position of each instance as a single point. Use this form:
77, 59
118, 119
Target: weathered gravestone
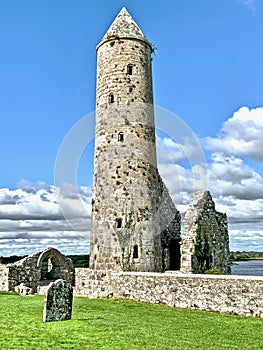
58, 301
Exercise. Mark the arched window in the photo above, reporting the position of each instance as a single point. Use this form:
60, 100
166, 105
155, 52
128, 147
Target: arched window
129, 69
111, 98
135, 251
118, 223
121, 136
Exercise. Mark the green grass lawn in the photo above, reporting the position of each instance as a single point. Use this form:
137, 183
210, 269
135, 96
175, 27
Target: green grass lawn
119, 324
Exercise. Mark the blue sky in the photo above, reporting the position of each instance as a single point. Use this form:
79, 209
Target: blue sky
207, 65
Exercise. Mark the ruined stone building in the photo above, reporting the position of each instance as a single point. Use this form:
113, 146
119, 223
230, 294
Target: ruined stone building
205, 244
136, 229
35, 271
135, 225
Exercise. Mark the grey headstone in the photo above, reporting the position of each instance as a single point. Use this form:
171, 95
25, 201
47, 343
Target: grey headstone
58, 301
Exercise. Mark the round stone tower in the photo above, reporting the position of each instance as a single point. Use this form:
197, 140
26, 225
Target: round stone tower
126, 233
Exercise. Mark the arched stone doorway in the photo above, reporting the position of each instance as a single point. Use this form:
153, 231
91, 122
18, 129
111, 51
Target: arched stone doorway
53, 265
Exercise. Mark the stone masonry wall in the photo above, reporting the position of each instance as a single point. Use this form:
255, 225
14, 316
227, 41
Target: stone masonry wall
205, 244
126, 183
32, 271
127, 189
92, 283
240, 295
28, 276
170, 222
3, 277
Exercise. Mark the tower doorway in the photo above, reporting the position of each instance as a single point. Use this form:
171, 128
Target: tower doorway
175, 254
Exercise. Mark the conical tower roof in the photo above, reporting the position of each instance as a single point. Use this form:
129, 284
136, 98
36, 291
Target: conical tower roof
124, 26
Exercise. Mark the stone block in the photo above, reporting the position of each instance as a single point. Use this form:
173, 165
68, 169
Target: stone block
23, 289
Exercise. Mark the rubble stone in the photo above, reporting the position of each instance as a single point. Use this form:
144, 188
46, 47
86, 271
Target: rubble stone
239, 295
37, 270
23, 290
205, 244
133, 218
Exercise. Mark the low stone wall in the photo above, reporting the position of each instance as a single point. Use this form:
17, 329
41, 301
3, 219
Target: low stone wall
92, 283
240, 295
3, 277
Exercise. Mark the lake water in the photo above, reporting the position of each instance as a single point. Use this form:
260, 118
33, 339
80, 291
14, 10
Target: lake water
248, 268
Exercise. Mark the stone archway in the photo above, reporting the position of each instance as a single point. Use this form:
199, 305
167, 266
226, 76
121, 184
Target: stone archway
50, 264
39, 269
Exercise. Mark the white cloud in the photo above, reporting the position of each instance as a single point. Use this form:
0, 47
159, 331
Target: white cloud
241, 135
32, 217
230, 176
20, 246
246, 240
169, 150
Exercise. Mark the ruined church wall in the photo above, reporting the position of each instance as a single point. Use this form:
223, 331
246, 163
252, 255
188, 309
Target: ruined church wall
169, 216
28, 271
23, 274
205, 244
170, 227
240, 295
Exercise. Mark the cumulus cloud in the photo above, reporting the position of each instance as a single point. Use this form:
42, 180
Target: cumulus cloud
182, 182
182, 166
38, 215
169, 150
20, 246
230, 176
240, 135
246, 240
31, 187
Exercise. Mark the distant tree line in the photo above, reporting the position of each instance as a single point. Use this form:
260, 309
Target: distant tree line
78, 260
237, 256
10, 259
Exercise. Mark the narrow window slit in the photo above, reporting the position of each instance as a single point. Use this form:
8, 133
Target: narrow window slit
121, 136
118, 223
129, 69
111, 98
135, 251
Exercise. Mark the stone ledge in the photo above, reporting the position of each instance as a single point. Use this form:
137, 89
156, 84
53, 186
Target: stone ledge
184, 275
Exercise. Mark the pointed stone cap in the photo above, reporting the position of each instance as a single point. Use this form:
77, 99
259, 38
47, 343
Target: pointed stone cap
122, 27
